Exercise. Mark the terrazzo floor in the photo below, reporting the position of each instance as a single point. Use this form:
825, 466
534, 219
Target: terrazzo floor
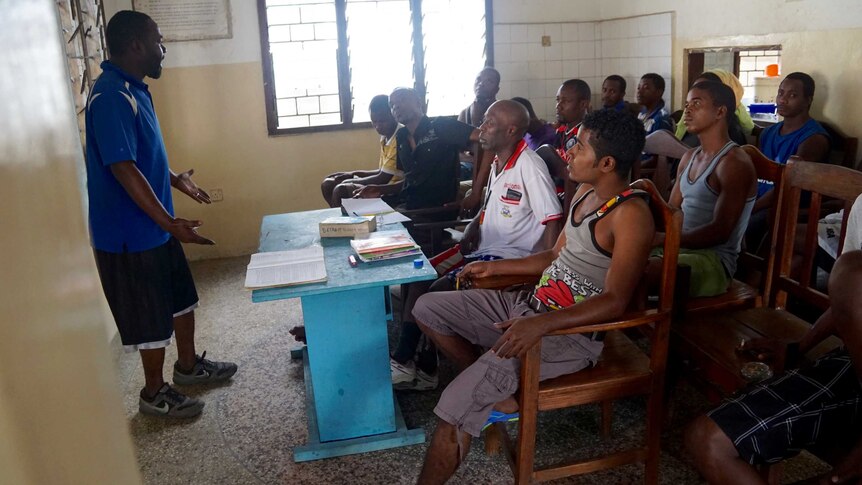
250, 425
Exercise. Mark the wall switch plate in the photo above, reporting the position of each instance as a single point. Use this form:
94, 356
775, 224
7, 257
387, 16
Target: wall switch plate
216, 195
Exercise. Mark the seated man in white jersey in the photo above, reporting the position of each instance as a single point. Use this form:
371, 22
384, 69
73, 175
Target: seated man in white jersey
520, 215
588, 277
716, 185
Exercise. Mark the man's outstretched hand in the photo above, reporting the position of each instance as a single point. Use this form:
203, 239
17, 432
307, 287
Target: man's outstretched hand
185, 185
186, 231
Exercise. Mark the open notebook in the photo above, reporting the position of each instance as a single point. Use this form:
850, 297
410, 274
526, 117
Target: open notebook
285, 268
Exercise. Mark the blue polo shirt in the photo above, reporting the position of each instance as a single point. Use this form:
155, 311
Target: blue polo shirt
121, 125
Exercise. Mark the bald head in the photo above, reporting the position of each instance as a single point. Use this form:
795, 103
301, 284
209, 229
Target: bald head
505, 124
512, 113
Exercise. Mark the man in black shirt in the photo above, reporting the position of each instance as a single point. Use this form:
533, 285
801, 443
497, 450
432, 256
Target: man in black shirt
427, 154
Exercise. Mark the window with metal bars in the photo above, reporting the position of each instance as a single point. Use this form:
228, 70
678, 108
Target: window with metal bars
323, 60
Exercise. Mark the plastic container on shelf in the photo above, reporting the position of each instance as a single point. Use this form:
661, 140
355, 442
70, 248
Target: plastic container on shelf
763, 111
761, 108
771, 70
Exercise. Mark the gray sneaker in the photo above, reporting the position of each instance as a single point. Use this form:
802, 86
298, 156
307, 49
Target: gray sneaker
402, 373
204, 372
168, 402
422, 382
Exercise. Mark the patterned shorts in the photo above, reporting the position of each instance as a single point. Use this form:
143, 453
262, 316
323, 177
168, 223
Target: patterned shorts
774, 420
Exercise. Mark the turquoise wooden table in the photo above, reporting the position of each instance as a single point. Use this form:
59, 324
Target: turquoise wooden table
349, 400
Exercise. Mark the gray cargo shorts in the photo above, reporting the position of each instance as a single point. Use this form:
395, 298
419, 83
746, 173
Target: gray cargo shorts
469, 398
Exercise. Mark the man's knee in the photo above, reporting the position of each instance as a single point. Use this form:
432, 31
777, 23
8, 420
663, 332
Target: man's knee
327, 186
707, 442
344, 190
844, 282
442, 284
425, 328
846, 274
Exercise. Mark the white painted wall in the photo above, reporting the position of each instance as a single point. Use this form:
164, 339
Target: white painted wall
590, 51
544, 11
699, 19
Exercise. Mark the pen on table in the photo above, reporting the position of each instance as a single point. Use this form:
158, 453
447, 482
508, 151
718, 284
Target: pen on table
352, 260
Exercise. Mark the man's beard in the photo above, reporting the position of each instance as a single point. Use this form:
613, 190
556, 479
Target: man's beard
156, 71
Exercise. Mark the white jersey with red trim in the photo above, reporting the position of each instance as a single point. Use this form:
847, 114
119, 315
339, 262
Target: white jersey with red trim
520, 200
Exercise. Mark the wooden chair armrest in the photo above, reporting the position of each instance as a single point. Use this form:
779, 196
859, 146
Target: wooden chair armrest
442, 224
503, 281
626, 320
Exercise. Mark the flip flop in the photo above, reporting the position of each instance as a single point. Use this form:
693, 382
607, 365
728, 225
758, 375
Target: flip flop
498, 417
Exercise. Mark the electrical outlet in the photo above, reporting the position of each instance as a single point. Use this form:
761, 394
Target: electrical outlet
216, 195
546, 40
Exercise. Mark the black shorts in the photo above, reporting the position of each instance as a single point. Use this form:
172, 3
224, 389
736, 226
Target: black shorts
145, 291
774, 420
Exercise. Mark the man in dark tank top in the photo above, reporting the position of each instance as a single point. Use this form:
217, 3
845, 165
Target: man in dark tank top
715, 187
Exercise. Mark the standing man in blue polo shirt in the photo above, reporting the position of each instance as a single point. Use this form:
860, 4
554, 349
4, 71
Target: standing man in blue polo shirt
136, 238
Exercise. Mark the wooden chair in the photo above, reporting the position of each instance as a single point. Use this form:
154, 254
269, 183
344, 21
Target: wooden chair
623, 370
755, 259
842, 149
713, 337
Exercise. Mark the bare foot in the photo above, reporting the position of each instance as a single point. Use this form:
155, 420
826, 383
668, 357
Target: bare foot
298, 333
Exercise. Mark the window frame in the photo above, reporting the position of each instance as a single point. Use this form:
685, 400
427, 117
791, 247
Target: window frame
344, 96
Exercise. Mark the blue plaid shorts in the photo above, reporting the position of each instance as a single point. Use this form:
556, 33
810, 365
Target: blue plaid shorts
774, 420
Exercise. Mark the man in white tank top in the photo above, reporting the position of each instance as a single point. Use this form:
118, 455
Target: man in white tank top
715, 187
589, 276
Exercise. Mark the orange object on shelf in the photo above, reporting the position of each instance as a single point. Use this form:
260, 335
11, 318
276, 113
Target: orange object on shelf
771, 70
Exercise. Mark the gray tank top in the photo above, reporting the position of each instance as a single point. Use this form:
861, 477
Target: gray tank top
698, 206
579, 271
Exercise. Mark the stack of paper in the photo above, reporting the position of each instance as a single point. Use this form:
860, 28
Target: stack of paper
373, 207
389, 246
283, 268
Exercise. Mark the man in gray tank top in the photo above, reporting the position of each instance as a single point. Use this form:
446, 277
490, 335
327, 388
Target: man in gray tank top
716, 185
588, 277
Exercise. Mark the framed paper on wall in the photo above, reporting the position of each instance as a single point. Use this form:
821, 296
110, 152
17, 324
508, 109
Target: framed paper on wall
181, 20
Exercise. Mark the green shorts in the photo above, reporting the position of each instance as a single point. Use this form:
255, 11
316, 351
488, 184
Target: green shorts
708, 276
